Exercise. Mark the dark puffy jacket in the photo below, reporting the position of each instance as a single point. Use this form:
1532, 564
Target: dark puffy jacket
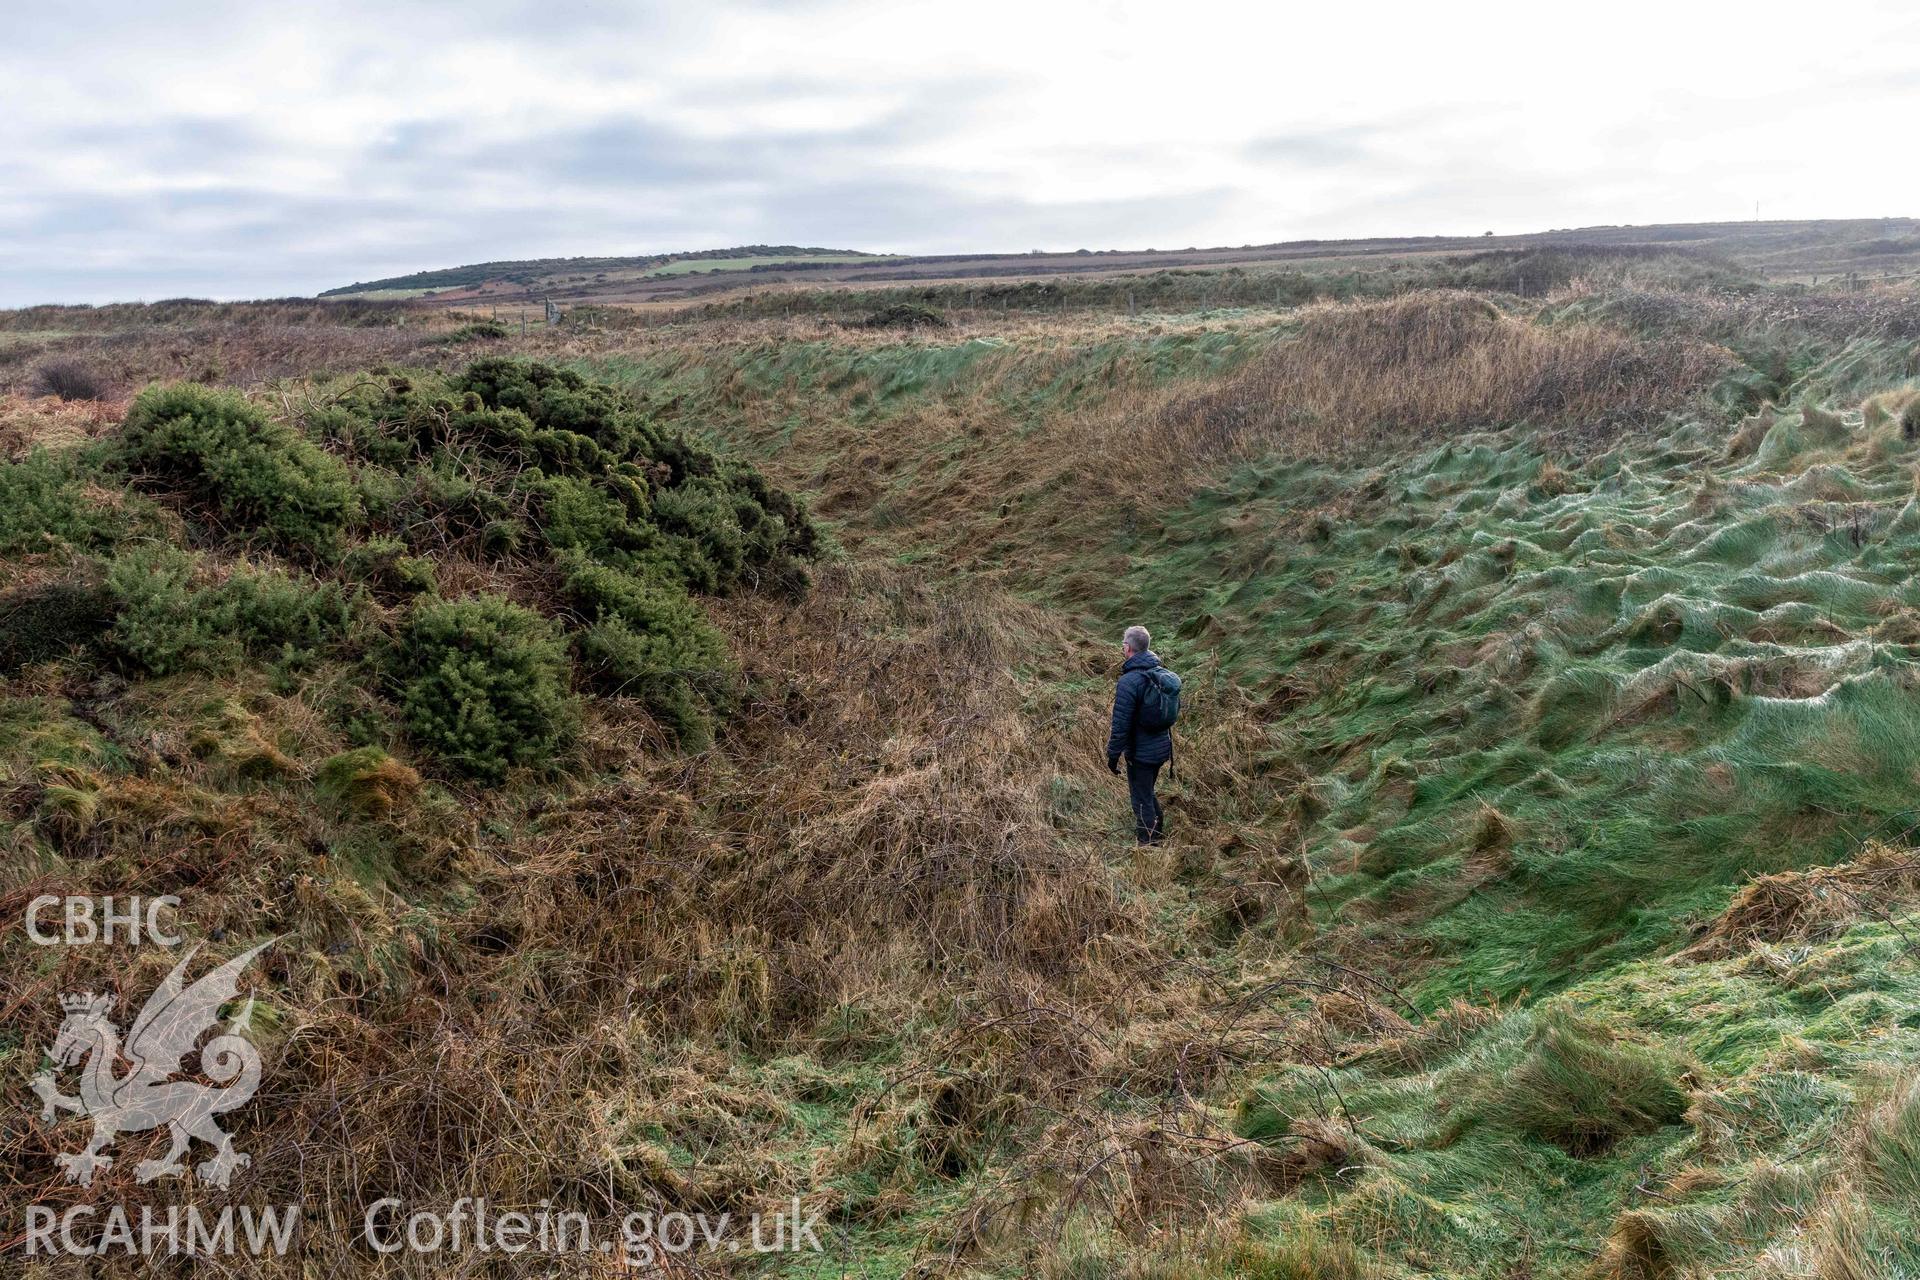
1130, 738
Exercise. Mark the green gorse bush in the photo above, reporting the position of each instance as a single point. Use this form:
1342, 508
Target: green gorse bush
263, 475
43, 505
170, 617
651, 642
519, 466
483, 684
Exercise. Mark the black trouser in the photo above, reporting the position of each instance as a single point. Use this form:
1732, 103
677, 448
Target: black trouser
1146, 806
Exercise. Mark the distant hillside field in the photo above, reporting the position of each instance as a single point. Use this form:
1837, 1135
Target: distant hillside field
536, 272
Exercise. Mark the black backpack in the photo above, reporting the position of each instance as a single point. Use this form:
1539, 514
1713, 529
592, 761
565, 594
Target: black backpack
1159, 699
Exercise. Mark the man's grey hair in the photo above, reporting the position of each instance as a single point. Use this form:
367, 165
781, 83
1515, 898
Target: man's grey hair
1137, 639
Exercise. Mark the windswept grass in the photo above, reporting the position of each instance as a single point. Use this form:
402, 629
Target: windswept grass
1359, 376
1537, 902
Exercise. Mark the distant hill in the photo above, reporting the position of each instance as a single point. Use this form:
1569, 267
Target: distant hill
527, 272
1784, 252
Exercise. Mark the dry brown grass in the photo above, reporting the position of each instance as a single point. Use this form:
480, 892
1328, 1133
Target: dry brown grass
1861, 1225
27, 424
244, 345
1363, 375
872, 837
878, 859
1811, 904
960, 475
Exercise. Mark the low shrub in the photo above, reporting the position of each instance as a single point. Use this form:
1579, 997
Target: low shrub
482, 684
172, 616
439, 503
713, 543
510, 459
511, 439
579, 515
562, 400
623, 662
478, 331
651, 642
67, 379
384, 565
224, 449
44, 503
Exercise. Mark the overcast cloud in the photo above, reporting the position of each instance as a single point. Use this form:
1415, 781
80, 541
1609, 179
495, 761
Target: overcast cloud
152, 149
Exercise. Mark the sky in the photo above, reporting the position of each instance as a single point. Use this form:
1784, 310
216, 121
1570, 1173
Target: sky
153, 149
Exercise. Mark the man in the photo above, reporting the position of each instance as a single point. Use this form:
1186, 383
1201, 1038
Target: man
1145, 746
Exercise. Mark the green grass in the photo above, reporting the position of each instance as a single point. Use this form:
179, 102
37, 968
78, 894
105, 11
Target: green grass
387, 295
1682, 671
1554, 720
1036, 378
1453, 1165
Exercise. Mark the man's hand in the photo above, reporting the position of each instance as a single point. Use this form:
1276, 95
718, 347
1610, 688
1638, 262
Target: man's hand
1113, 764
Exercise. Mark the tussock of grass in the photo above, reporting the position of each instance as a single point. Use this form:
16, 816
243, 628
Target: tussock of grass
368, 781
1867, 1226
1816, 902
1574, 1083
1305, 1254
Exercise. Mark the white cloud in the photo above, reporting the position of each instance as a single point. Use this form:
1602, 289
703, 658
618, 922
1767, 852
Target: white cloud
236, 148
